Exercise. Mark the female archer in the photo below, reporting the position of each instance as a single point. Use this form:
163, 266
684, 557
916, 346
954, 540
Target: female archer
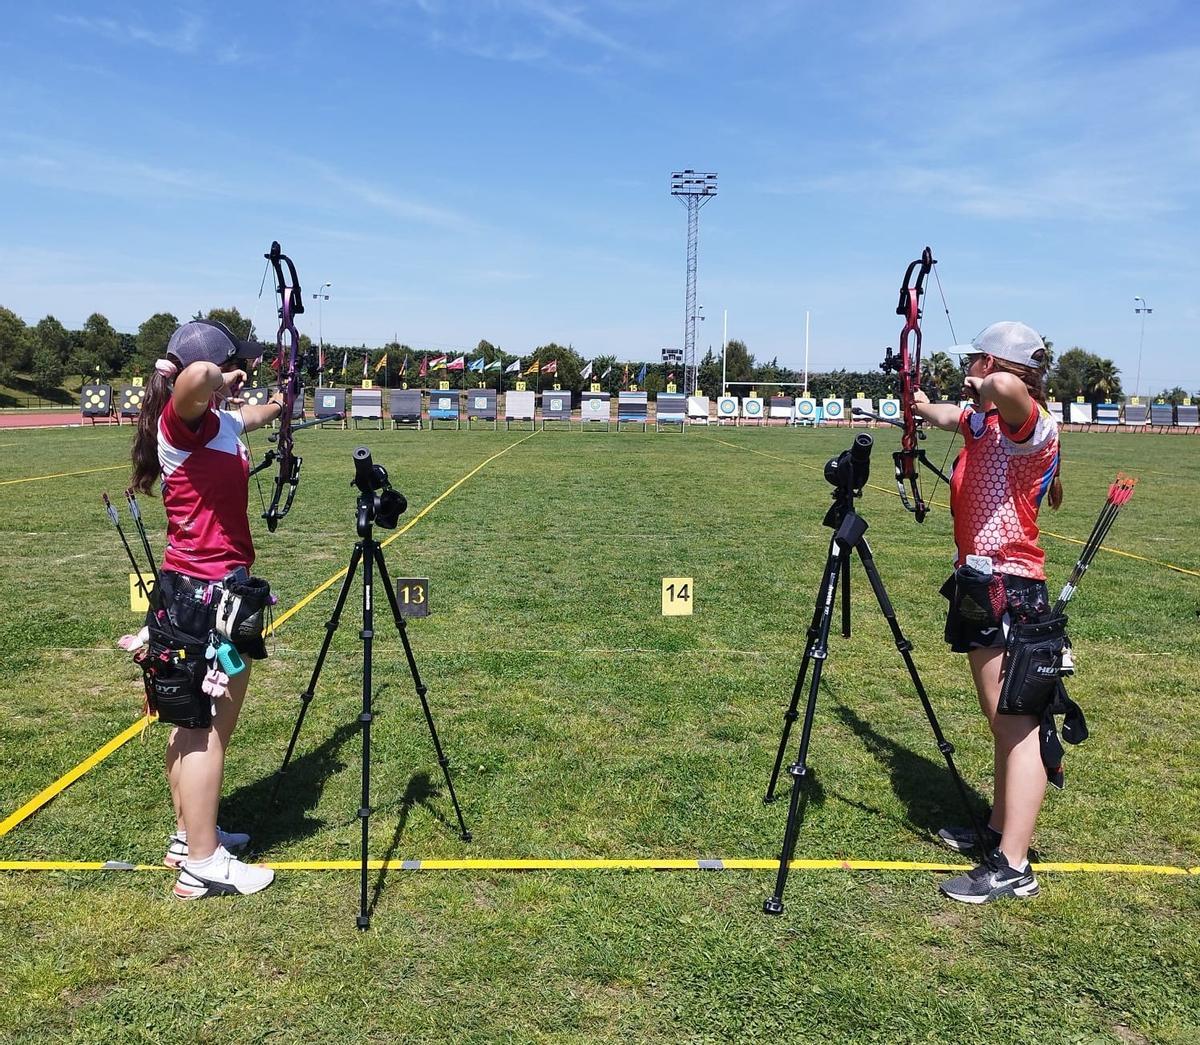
1008, 466
197, 452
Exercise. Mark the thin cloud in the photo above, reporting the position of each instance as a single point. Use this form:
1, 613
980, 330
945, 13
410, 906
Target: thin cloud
185, 39
529, 32
405, 208
190, 37
66, 165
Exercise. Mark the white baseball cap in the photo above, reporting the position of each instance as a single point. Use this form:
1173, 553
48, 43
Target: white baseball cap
1008, 339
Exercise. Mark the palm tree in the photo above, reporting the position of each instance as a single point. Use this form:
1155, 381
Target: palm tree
1104, 379
947, 374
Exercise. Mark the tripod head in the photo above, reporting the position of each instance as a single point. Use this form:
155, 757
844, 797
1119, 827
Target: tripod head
378, 502
848, 474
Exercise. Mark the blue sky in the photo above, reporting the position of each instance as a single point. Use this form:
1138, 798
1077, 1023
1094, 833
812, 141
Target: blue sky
461, 170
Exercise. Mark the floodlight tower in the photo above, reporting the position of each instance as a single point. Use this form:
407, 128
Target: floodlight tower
693, 190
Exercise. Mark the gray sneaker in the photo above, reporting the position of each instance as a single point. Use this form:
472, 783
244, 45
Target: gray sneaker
990, 881
964, 840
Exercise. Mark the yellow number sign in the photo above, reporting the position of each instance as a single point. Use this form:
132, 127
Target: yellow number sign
677, 596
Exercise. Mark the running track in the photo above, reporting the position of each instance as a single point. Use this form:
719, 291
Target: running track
58, 419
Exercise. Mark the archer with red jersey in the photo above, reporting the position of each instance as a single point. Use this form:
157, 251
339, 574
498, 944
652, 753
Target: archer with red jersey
1007, 468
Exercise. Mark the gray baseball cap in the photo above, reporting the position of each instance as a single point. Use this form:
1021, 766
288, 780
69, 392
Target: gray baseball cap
210, 341
1008, 339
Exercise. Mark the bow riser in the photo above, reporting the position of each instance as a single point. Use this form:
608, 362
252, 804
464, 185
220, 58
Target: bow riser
906, 364
287, 345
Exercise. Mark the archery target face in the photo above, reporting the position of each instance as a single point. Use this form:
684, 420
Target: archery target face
595, 409
727, 406
752, 407
95, 400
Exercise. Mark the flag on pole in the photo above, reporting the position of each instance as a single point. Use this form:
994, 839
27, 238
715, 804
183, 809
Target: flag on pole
641, 378
404, 365
586, 372
625, 377
456, 364
423, 369
476, 365
366, 357
514, 367
345, 361
533, 368
381, 364
437, 362
607, 371
495, 365
551, 367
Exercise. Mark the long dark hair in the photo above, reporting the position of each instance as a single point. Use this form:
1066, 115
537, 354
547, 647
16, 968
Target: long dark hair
146, 468
1035, 380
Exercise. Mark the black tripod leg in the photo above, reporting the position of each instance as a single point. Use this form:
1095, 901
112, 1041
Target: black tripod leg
790, 716
846, 597
798, 770
421, 688
364, 810
307, 695
905, 648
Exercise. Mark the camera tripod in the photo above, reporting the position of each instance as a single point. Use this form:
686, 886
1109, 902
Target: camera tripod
385, 507
848, 473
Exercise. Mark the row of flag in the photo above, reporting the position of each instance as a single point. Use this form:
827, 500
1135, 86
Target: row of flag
461, 363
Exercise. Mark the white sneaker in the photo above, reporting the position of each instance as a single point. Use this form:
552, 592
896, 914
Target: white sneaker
177, 848
222, 873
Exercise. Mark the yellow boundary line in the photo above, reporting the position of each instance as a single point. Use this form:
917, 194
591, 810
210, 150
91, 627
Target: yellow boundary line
630, 864
67, 779
60, 475
1046, 533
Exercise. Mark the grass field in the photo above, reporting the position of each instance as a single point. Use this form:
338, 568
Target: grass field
582, 723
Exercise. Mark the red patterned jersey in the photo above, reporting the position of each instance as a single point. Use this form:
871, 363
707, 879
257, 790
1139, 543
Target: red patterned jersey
997, 486
204, 492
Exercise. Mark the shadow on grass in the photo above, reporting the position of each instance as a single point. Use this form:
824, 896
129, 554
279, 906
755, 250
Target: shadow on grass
299, 791
924, 785
419, 791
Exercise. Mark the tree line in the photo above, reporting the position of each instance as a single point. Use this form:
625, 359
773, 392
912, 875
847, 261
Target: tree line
46, 355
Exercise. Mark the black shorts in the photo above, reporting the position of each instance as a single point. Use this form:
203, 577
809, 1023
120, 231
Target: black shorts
191, 606
1023, 600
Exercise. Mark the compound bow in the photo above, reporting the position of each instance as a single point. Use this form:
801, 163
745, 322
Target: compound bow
906, 363
287, 366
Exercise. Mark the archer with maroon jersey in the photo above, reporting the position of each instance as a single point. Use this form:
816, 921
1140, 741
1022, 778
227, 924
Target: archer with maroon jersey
195, 449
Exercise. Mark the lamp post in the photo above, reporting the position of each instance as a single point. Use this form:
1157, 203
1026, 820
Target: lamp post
806, 316
1142, 310
320, 297
724, 346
